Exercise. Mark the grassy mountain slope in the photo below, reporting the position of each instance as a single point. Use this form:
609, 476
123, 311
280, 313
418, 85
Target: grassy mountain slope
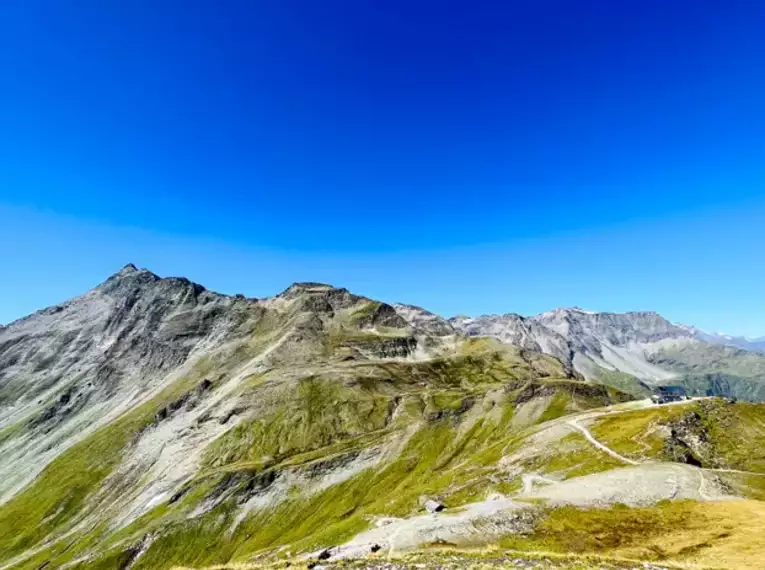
324, 411
622, 381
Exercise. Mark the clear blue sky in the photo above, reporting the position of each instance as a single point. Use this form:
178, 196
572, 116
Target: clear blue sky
482, 156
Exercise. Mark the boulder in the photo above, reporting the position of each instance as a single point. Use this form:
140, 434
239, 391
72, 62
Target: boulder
433, 506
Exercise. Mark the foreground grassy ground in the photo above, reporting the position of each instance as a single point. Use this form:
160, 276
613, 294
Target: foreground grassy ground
456, 559
726, 534
683, 534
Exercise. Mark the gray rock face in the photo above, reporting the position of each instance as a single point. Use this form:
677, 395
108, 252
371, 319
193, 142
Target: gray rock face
616, 329
425, 322
66, 368
149, 325
395, 347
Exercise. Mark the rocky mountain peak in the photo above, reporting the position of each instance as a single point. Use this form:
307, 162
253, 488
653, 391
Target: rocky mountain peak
131, 282
307, 288
129, 268
129, 274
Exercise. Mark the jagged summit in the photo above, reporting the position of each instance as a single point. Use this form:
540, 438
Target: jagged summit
131, 273
130, 280
129, 268
302, 287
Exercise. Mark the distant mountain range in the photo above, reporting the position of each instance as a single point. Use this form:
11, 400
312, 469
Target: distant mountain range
742, 342
632, 351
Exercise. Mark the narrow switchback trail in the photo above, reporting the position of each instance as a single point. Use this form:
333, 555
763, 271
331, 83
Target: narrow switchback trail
704, 484
586, 433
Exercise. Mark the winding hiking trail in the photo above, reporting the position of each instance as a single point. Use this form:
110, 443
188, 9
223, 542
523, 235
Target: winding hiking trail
703, 483
702, 489
586, 433
638, 483
574, 423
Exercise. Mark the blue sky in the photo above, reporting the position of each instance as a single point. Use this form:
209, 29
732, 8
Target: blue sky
467, 156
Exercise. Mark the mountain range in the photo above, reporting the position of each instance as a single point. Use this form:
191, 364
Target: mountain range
151, 423
631, 351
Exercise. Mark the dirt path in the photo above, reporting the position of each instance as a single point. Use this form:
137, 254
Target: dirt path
702, 486
586, 433
530, 478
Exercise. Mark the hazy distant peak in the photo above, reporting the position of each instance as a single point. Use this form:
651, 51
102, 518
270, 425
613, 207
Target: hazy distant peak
129, 268
742, 342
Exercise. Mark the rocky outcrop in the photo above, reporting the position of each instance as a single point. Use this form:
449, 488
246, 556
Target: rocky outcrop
66, 368
373, 346
424, 322
380, 315
687, 441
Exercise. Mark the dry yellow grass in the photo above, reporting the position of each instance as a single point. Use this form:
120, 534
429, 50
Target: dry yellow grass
489, 558
726, 534
723, 535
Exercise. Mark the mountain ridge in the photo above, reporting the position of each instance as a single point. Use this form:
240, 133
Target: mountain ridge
550, 332
738, 341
